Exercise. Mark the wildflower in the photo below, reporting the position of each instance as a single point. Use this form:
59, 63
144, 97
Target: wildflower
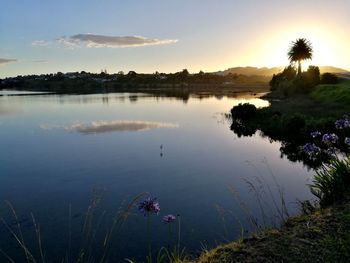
347, 141
168, 219
329, 138
332, 150
315, 134
311, 149
342, 123
149, 206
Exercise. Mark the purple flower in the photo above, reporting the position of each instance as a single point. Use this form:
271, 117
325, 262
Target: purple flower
311, 149
332, 150
347, 141
315, 134
149, 206
342, 123
168, 219
329, 138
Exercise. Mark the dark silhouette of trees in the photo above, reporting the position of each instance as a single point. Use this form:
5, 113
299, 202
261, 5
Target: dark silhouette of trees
300, 50
288, 74
329, 78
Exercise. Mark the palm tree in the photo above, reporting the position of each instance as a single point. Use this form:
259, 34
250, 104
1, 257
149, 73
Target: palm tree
300, 50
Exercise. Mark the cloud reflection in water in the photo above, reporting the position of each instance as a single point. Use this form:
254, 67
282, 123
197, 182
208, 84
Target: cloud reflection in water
111, 126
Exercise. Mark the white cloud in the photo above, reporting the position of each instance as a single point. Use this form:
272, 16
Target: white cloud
7, 60
110, 126
68, 43
100, 41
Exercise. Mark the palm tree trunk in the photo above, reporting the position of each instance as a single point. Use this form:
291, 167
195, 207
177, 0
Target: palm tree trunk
299, 67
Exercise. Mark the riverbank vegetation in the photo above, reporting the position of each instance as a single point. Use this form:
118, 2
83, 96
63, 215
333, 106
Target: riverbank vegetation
175, 83
322, 236
291, 119
309, 116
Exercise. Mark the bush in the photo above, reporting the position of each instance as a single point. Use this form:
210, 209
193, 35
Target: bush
288, 74
294, 123
288, 83
243, 111
312, 76
329, 78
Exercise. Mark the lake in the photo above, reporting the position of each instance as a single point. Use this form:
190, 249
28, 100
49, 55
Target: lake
59, 151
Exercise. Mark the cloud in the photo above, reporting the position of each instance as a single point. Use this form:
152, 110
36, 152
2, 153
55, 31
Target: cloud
7, 110
40, 43
111, 126
7, 60
100, 41
40, 61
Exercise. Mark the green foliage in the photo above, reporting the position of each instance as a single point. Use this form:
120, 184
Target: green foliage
288, 74
332, 182
336, 93
243, 111
329, 78
295, 123
288, 83
85, 82
312, 76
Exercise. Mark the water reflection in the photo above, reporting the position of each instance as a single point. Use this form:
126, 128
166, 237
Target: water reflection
46, 164
111, 126
7, 110
107, 98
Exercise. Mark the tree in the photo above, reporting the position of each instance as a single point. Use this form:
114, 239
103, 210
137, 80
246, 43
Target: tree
300, 50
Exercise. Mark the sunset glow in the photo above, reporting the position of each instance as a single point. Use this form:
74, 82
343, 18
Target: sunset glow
247, 34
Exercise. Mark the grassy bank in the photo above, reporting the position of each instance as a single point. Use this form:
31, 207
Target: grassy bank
324, 101
291, 119
333, 94
323, 236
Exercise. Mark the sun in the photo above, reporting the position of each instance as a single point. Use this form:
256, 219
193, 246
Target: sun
328, 48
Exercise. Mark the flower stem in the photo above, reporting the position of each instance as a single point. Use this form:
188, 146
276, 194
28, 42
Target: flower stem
149, 238
178, 233
169, 234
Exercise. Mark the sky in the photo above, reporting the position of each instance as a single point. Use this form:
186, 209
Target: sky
167, 35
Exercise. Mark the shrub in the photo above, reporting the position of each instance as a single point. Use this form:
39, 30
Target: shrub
329, 78
332, 182
294, 123
288, 83
311, 77
288, 74
243, 111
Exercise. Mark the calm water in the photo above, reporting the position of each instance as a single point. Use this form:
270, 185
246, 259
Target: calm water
57, 150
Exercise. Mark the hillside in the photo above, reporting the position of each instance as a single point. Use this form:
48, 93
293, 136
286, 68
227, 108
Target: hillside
270, 71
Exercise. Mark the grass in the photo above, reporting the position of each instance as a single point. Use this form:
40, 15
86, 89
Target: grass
331, 183
337, 93
320, 235
323, 236
300, 113
325, 100
88, 242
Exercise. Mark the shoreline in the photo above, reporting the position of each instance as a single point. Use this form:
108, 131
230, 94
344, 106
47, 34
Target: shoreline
321, 236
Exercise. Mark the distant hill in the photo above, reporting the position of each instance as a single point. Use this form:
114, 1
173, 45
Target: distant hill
270, 71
